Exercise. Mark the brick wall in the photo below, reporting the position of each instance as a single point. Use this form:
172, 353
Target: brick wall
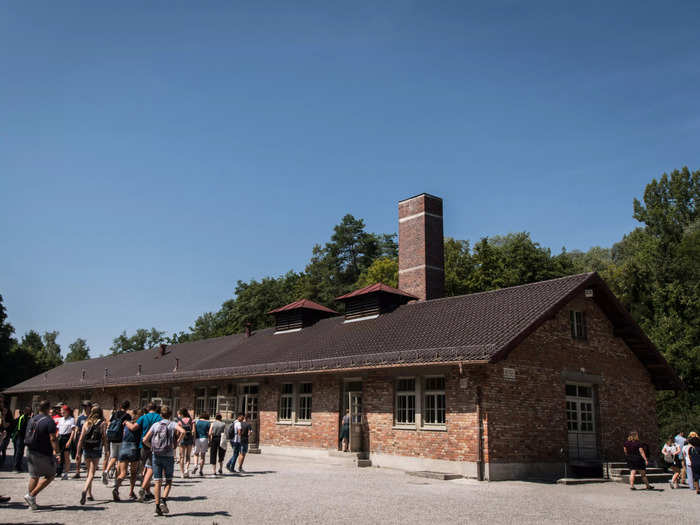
526, 417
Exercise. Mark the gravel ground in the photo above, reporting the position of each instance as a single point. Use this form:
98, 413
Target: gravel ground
285, 490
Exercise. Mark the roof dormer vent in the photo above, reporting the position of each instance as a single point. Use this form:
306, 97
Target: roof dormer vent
371, 301
299, 314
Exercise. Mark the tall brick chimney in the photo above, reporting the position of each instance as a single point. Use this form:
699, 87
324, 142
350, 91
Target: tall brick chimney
421, 252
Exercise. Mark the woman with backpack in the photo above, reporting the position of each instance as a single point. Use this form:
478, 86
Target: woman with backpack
186, 443
92, 440
129, 459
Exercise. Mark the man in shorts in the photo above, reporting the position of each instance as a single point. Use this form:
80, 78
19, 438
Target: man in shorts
163, 436
115, 441
244, 432
143, 424
18, 433
42, 453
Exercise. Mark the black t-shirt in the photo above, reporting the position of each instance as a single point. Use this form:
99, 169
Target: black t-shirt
632, 448
245, 431
45, 428
119, 415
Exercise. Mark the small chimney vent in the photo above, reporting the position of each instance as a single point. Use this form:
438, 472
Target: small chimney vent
177, 364
82, 374
299, 314
106, 372
138, 372
161, 350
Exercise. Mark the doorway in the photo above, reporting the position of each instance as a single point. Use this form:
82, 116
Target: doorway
352, 401
580, 421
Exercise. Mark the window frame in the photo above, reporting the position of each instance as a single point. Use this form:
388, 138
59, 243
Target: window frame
436, 393
407, 394
306, 397
286, 398
579, 328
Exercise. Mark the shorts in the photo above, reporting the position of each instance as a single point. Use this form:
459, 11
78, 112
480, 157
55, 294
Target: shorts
114, 449
92, 453
62, 442
187, 441
146, 456
163, 467
129, 452
345, 432
636, 463
244, 447
40, 465
200, 446
216, 450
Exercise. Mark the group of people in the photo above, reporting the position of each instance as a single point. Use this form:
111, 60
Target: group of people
682, 457
137, 444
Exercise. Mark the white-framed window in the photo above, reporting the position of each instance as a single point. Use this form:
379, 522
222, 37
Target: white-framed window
200, 401
249, 399
304, 402
578, 325
405, 401
212, 400
148, 396
579, 408
286, 402
434, 400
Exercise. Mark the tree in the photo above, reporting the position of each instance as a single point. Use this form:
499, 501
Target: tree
459, 267
383, 270
51, 355
7, 343
79, 350
142, 339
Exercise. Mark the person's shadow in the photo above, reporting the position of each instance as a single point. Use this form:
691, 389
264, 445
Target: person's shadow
202, 514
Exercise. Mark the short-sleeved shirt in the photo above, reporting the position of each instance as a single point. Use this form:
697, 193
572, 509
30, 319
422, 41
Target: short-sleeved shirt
145, 422
202, 428
65, 425
245, 431
217, 428
632, 447
46, 427
171, 431
236, 428
81, 421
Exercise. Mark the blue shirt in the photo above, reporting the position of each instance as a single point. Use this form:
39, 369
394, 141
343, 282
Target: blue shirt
145, 422
202, 428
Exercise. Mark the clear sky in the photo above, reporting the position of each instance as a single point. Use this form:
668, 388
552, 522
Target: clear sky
151, 155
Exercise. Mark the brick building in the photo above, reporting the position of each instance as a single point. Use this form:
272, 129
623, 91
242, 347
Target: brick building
496, 385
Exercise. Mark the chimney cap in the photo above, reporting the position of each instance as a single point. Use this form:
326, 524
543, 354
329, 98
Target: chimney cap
375, 288
303, 303
421, 195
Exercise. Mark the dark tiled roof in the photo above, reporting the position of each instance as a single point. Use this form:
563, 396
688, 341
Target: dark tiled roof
303, 303
372, 288
480, 327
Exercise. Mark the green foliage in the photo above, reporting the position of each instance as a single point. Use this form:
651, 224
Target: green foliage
7, 343
383, 270
79, 350
143, 339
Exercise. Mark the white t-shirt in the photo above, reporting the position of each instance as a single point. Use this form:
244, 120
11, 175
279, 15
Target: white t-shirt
668, 452
685, 453
65, 425
236, 430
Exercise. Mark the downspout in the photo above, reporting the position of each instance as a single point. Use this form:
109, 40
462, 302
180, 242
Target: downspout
479, 438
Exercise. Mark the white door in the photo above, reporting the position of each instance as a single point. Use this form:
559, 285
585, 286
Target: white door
580, 421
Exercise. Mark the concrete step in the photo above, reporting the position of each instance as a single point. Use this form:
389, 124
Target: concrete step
433, 475
581, 481
653, 478
625, 471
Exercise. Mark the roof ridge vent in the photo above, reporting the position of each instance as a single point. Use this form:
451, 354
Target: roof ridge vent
299, 314
371, 301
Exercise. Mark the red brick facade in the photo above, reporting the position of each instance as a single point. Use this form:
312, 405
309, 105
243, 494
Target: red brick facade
523, 419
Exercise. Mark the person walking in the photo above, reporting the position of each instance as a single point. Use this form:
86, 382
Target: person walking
234, 435
115, 433
42, 446
162, 438
18, 434
687, 462
637, 460
82, 418
681, 441
244, 432
93, 439
186, 442
345, 431
143, 424
7, 422
670, 453
216, 434
694, 456
66, 434
201, 442
129, 459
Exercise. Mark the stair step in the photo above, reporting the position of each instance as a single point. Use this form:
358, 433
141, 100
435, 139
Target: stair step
653, 478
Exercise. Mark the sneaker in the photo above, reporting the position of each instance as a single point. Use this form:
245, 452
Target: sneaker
228, 467
115, 494
650, 487
158, 512
31, 501
187, 474
83, 495
5, 499
76, 475
149, 496
64, 477
105, 477
142, 496
201, 474
670, 484
633, 487
90, 498
240, 469
164, 506
221, 472
132, 497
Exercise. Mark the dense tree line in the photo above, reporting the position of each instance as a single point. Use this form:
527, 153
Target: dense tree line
654, 270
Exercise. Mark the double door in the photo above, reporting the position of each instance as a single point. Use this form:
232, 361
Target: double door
352, 402
580, 421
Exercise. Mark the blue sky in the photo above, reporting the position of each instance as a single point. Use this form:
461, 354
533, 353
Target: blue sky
152, 155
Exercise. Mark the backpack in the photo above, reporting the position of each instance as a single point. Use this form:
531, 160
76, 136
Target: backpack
231, 431
93, 437
161, 438
31, 439
187, 427
114, 430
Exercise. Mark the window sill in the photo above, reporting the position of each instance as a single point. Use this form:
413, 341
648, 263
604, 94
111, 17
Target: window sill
435, 428
303, 423
404, 427
285, 422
